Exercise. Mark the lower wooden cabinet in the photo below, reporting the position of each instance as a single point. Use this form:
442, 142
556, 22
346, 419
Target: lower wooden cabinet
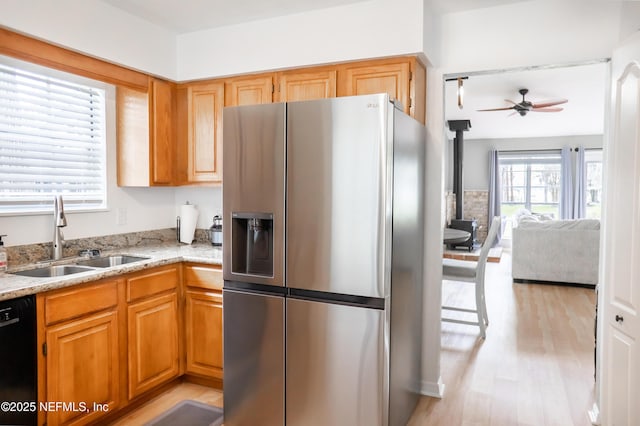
154, 357
203, 320
80, 336
203, 326
109, 342
83, 367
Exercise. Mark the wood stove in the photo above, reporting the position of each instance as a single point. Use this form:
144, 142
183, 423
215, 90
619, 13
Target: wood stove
471, 226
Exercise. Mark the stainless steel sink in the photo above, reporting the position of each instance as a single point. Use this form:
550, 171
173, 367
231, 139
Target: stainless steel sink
53, 271
107, 261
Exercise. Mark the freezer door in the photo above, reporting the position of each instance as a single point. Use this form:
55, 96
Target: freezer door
253, 359
338, 195
335, 365
254, 188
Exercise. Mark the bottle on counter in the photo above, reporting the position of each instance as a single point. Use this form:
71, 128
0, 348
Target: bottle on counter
3, 255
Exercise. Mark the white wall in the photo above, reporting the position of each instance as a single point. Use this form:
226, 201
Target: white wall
97, 29
367, 29
530, 33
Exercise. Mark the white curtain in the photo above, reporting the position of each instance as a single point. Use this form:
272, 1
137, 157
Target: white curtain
494, 189
579, 201
566, 185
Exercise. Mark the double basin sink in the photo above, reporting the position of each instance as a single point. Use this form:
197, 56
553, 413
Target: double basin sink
80, 266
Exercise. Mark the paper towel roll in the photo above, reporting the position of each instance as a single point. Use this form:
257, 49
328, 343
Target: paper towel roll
188, 221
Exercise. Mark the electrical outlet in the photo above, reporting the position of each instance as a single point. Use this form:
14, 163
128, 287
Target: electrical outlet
121, 216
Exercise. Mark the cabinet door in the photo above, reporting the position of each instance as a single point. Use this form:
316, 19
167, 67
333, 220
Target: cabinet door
249, 91
162, 133
82, 367
153, 342
383, 77
304, 86
146, 135
204, 139
204, 333
132, 128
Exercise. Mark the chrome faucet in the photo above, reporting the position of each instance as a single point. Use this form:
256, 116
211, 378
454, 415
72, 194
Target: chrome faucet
59, 222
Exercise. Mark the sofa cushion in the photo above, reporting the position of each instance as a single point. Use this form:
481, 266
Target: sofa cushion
568, 224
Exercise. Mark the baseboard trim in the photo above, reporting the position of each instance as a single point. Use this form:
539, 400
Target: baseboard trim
434, 389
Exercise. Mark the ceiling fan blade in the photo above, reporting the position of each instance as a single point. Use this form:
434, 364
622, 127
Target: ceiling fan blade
513, 113
556, 109
510, 101
496, 109
549, 103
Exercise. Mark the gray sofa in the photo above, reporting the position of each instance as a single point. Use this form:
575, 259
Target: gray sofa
563, 251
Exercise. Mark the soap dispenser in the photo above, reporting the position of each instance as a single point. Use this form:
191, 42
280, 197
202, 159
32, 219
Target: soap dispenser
3, 255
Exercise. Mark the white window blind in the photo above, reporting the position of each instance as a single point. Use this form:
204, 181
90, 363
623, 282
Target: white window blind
52, 141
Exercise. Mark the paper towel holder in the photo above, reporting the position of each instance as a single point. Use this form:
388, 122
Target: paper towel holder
186, 223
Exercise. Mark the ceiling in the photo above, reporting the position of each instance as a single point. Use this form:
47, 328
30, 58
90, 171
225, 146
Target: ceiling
583, 86
193, 15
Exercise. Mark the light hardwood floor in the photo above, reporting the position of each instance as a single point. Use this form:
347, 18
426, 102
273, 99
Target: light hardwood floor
167, 400
534, 368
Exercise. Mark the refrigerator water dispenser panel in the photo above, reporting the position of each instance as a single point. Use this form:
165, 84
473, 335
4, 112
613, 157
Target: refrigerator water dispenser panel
252, 244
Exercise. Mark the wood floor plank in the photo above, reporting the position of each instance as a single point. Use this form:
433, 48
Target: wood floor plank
535, 366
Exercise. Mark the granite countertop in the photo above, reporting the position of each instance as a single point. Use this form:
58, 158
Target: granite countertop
12, 286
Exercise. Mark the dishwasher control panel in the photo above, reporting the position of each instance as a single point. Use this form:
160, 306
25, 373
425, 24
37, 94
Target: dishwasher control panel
8, 316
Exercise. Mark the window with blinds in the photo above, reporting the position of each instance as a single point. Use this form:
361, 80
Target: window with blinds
52, 141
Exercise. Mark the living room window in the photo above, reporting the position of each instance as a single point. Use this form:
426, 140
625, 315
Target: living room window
530, 180
593, 181
52, 139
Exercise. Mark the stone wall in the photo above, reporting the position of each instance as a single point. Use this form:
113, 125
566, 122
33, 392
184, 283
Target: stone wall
476, 206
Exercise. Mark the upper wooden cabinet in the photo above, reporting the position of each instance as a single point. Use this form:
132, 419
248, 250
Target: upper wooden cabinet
146, 134
249, 90
402, 78
200, 132
306, 85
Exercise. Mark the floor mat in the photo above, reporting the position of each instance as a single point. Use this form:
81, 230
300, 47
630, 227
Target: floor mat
192, 413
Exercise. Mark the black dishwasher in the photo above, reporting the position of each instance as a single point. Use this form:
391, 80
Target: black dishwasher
18, 378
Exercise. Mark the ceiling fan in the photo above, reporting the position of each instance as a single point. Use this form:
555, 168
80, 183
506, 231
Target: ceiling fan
525, 106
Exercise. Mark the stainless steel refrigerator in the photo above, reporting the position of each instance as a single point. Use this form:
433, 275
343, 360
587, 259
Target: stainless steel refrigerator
322, 260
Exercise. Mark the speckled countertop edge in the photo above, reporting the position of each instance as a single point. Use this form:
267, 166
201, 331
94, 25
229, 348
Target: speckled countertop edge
12, 286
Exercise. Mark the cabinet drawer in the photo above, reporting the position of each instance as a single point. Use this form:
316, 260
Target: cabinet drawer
153, 282
73, 303
208, 277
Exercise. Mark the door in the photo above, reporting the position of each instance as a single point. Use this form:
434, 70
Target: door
83, 367
392, 77
253, 359
249, 91
254, 176
335, 365
338, 176
620, 290
306, 86
153, 343
203, 317
162, 132
204, 134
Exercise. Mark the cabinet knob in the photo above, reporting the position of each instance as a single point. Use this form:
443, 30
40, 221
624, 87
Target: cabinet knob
619, 318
